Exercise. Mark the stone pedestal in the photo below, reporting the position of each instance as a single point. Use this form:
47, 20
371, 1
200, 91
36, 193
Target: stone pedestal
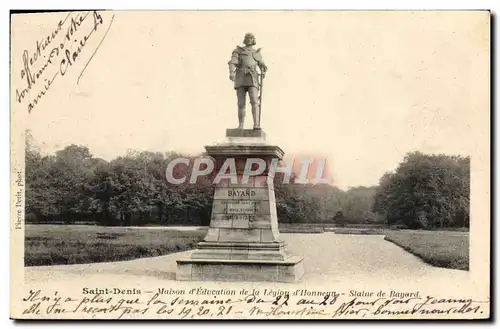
243, 242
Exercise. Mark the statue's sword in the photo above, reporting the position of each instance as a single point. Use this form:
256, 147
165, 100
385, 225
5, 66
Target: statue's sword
260, 95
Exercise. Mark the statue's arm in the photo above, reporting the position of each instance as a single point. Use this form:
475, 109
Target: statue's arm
233, 62
260, 62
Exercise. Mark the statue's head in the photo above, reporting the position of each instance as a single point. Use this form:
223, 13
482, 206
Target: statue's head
249, 39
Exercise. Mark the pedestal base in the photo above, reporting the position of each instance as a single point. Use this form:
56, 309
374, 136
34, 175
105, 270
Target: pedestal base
242, 242
289, 270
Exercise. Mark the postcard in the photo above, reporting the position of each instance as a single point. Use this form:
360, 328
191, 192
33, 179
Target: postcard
250, 165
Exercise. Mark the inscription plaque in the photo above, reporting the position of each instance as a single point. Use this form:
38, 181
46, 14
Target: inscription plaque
241, 207
241, 217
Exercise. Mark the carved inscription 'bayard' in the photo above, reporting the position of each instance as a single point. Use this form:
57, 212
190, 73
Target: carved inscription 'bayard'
240, 193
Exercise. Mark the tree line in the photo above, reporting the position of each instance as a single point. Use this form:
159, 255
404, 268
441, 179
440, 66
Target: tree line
72, 185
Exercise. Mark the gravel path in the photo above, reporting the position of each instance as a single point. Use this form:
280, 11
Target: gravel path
328, 258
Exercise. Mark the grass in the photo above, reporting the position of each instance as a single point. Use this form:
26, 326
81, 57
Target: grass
79, 244
448, 249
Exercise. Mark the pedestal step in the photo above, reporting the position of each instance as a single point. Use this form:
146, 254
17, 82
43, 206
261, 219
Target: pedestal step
241, 251
289, 270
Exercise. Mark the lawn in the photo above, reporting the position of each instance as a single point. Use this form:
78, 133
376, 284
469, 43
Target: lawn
447, 249
78, 244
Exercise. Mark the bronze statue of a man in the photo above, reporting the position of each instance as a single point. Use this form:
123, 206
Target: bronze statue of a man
243, 71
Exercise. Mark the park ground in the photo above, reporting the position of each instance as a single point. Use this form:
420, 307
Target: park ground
83, 244
79, 244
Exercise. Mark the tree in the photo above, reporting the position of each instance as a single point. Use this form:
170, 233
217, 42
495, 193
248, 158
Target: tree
40, 198
426, 191
357, 205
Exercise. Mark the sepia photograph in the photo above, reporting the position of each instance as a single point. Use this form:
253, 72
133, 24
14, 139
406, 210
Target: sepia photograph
287, 164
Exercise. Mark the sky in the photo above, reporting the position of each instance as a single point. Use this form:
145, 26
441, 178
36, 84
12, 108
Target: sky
358, 88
